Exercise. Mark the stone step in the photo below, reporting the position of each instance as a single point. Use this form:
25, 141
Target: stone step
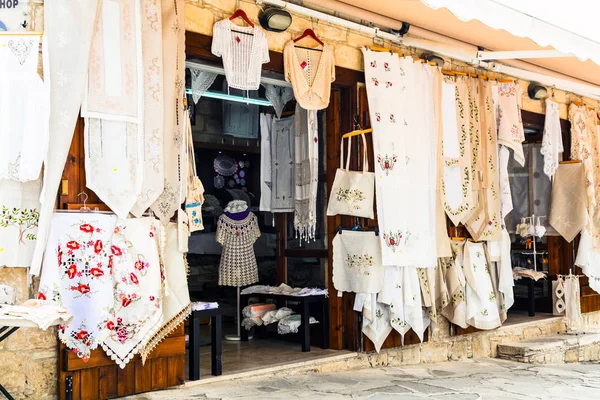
558, 349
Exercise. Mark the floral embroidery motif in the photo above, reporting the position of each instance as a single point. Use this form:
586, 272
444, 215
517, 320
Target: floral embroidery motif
378, 117
375, 81
20, 49
24, 219
394, 239
351, 196
388, 85
374, 64
387, 163
361, 262
386, 67
392, 119
505, 89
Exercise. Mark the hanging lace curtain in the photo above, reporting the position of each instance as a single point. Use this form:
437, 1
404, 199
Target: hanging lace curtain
201, 82
279, 96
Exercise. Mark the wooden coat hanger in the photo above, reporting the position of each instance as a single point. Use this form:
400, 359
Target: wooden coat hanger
241, 13
309, 33
357, 132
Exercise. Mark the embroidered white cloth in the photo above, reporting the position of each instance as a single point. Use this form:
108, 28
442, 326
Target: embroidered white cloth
266, 125
279, 96
306, 155
569, 210
434, 291
285, 289
357, 262
506, 203
24, 107
376, 318
136, 273
396, 94
573, 302
175, 150
456, 312
283, 184
68, 27
76, 274
402, 292
589, 260
552, 144
176, 296
19, 215
244, 49
43, 313
152, 138
201, 82
457, 180
510, 125
482, 303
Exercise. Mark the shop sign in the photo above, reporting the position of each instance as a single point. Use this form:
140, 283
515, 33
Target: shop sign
13, 15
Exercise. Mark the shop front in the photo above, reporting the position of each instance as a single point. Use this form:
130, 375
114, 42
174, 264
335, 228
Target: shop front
236, 199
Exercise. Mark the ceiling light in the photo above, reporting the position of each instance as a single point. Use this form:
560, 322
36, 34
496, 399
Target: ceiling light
536, 92
275, 19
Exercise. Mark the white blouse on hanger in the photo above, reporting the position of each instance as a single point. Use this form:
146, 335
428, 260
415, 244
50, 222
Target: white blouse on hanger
244, 50
24, 107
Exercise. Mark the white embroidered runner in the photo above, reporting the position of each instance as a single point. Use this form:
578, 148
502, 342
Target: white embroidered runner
283, 188
68, 27
306, 152
19, 205
552, 144
77, 274
136, 274
403, 159
510, 125
357, 262
173, 46
152, 139
456, 281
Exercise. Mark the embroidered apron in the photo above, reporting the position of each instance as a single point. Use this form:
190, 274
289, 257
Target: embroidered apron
357, 262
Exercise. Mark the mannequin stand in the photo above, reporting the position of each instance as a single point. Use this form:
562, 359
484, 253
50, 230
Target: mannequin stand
238, 337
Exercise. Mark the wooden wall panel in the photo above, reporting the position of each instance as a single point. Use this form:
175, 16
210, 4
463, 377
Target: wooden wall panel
108, 383
126, 380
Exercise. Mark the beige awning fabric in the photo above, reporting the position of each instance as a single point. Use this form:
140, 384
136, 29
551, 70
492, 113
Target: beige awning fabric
496, 27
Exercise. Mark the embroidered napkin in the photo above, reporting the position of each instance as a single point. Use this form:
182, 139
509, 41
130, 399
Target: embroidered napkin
376, 318
568, 210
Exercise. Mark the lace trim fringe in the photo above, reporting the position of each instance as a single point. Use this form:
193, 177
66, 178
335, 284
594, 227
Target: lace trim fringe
165, 331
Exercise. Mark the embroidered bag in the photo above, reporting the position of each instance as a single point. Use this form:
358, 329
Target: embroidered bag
195, 190
353, 191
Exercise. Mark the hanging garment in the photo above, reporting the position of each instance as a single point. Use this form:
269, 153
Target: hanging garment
357, 262
456, 154
589, 260
500, 256
485, 223
24, 107
568, 211
266, 124
434, 292
283, 185
482, 305
402, 292
376, 318
153, 179
311, 74
408, 233
456, 311
19, 215
175, 293
136, 273
352, 192
238, 263
279, 96
552, 144
584, 147
510, 125
201, 82
573, 302
506, 203
175, 151
77, 274
306, 155
244, 49
68, 27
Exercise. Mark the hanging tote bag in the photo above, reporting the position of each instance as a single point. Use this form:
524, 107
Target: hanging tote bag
195, 191
353, 192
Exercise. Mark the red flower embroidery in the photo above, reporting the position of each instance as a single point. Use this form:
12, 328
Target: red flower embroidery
82, 335
134, 278
87, 228
110, 325
125, 301
387, 163
72, 271
97, 272
41, 296
98, 246
374, 64
59, 257
375, 81
73, 245
83, 289
116, 251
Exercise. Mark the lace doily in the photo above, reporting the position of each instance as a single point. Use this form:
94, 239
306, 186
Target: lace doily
201, 82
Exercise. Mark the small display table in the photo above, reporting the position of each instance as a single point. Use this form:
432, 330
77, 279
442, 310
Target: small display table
215, 336
305, 302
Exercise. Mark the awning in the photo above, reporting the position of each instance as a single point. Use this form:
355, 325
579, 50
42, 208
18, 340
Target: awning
496, 27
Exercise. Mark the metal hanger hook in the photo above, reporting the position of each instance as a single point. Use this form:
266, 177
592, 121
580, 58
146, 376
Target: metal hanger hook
86, 197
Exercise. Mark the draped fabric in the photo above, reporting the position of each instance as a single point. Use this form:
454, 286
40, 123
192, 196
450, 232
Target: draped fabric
510, 125
175, 171
403, 158
434, 292
485, 223
456, 283
376, 318
68, 28
279, 96
506, 202
283, 186
201, 82
568, 211
456, 155
357, 262
175, 294
306, 155
589, 260
500, 257
584, 147
552, 144
266, 125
